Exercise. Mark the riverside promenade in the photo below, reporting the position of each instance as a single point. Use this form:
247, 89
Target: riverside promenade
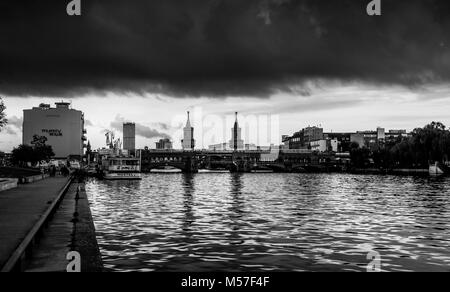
22, 208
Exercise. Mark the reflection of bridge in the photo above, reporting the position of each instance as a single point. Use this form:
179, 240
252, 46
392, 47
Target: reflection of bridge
239, 161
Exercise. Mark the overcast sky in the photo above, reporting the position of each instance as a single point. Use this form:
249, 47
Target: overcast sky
307, 62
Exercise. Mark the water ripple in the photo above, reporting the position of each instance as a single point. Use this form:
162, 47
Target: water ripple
272, 222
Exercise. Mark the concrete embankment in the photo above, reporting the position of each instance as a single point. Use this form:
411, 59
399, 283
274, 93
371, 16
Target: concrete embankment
41, 222
24, 175
8, 183
71, 229
395, 171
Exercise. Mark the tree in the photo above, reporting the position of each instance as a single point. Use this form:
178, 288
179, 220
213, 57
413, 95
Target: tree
428, 144
3, 120
41, 150
2, 158
33, 154
22, 155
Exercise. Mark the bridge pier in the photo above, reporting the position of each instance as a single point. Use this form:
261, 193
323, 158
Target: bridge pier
190, 165
241, 163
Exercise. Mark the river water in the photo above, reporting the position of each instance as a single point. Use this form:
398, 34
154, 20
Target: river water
272, 222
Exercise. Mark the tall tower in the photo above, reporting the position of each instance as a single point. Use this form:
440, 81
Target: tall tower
188, 142
236, 143
129, 136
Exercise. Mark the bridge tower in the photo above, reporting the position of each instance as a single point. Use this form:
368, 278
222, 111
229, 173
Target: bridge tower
188, 142
236, 142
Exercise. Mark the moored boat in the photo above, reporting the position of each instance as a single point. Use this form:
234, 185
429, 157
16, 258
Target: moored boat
122, 168
438, 169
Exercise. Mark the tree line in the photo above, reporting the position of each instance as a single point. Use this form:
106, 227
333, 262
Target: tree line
424, 146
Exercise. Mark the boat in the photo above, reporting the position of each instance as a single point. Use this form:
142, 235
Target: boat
166, 169
438, 169
121, 168
263, 171
213, 171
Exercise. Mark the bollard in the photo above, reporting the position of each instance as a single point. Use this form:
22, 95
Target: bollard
77, 195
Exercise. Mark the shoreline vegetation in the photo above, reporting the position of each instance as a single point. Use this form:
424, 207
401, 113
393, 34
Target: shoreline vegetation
425, 146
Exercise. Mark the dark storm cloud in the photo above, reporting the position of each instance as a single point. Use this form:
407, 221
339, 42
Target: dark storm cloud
141, 130
218, 47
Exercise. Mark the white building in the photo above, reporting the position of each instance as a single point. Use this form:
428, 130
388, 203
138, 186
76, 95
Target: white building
324, 145
334, 143
219, 147
188, 142
62, 126
381, 135
251, 147
236, 142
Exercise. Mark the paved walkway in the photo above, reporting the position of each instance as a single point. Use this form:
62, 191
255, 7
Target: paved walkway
50, 254
71, 228
21, 208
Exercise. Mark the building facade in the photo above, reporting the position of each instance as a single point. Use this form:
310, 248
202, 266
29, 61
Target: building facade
394, 136
324, 145
378, 138
129, 136
62, 126
164, 144
343, 140
303, 138
219, 147
312, 134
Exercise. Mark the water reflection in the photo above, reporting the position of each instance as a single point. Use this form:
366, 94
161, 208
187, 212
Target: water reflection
264, 222
237, 202
236, 212
189, 218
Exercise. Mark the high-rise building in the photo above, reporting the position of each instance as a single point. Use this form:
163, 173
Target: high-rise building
236, 142
129, 136
381, 135
62, 126
164, 144
188, 142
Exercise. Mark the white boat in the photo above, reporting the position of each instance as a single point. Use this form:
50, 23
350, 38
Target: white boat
122, 168
166, 170
436, 169
263, 171
213, 171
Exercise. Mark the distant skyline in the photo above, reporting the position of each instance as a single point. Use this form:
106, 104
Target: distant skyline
336, 107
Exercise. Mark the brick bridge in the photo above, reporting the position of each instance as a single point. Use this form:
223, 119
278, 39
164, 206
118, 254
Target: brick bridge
239, 161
